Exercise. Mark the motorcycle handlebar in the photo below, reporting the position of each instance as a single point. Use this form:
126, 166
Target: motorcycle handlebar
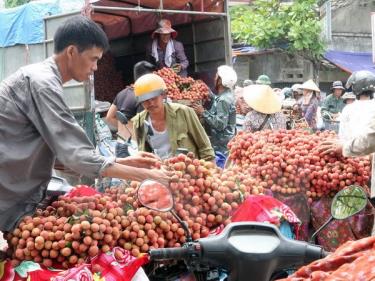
168, 253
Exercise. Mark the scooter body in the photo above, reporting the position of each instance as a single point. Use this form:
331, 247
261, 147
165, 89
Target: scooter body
246, 250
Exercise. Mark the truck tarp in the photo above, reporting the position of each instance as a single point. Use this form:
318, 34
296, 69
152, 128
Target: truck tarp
24, 24
118, 24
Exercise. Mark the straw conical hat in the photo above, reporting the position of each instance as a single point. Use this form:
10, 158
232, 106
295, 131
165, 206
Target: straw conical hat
262, 99
310, 85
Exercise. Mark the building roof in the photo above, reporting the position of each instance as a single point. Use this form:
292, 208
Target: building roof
350, 61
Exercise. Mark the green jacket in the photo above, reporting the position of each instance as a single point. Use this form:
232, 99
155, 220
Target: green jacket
220, 121
331, 105
184, 129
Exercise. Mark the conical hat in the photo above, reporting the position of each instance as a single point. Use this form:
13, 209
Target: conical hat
262, 99
310, 85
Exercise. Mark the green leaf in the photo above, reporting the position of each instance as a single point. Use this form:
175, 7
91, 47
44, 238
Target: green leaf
266, 24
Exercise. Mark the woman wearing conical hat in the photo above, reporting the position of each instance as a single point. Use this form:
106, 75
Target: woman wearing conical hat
265, 109
308, 104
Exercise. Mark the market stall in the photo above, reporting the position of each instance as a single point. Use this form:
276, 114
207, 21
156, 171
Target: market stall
77, 229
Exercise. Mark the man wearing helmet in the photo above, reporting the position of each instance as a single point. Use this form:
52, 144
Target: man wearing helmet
362, 141
220, 119
355, 116
166, 127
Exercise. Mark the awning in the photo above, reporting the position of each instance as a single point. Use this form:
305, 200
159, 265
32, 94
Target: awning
350, 62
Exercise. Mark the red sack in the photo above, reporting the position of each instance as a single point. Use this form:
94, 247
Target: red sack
78, 273
355, 260
263, 208
6, 271
299, 205
123, 268
42, 275
80, 191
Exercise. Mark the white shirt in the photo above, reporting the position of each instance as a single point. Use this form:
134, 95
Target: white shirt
355, 118
160, 142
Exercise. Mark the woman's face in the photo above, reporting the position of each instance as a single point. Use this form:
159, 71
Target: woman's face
306, 92
164, 38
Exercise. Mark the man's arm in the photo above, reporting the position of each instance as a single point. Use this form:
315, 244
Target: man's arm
137, 174
181, 56
363, 144
111, 116
324, 109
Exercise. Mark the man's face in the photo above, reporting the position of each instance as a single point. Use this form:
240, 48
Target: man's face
154, 105
83, 64
164, 38
337, 92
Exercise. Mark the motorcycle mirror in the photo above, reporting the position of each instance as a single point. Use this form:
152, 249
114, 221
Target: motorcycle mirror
348, 202
155, 196
122, 117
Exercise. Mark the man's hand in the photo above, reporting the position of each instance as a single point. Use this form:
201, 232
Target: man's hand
198, 108
141, 160
162, 176
331, 146
177, 68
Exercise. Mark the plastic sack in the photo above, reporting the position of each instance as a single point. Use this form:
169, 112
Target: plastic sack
299, 205
220, 159
81, 191
118, 264
263, 208
6, 271
79, 273
355, 260
339, 231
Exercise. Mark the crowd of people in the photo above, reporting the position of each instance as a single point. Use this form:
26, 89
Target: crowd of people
304, 103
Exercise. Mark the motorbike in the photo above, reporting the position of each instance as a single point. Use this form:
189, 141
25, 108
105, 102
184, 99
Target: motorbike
246, 250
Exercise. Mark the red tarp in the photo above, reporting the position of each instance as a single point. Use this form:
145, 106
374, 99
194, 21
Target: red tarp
118, 24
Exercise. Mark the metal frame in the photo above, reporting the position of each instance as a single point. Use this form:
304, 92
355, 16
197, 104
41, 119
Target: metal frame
149, 10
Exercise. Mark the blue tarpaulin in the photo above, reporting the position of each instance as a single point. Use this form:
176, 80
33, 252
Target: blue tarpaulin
350, 62
25, 25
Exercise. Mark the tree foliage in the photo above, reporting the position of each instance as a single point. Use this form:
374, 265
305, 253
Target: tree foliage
293, 27
15, 3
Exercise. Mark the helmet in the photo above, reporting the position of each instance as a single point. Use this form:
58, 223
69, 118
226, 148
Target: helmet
361, 81
287, 92
228, 76
149, 86
297, 88
247, 82
263, 80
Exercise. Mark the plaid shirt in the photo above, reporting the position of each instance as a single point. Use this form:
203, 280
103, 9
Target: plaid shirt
255, 119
